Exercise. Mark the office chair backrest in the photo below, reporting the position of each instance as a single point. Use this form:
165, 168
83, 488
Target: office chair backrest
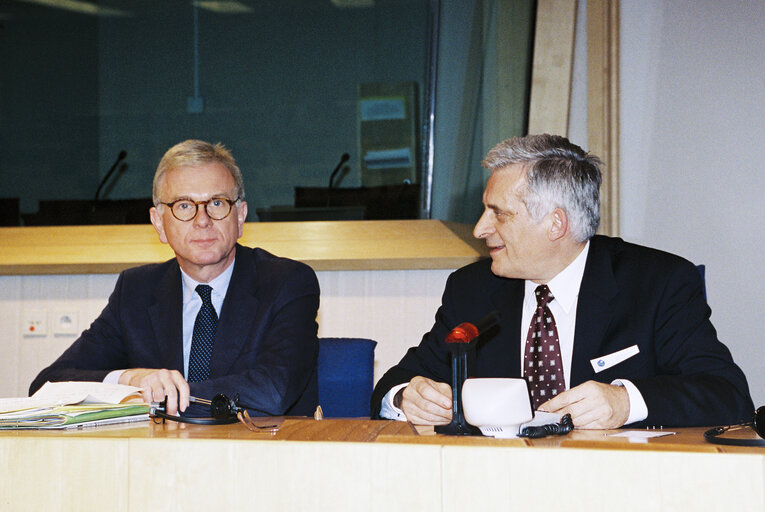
346, 372
702, 270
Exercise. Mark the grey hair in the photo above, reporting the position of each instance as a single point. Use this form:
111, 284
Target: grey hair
559, 175
197, 152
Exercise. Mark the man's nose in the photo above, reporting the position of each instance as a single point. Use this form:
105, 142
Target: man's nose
482, 228
201, 218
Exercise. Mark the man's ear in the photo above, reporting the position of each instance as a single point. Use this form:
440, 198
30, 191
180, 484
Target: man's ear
241, 213
156, 221
559, 225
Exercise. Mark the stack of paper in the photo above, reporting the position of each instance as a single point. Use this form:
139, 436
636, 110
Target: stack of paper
73, 404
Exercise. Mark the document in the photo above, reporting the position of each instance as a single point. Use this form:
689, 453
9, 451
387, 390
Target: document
73, 404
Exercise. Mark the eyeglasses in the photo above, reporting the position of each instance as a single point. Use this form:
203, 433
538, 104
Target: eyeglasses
217, 208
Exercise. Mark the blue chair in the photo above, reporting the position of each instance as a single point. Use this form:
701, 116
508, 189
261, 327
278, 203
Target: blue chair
702, 271
346, 373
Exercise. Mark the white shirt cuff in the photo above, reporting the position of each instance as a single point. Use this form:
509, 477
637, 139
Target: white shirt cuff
390, 411
113, 377
638, 408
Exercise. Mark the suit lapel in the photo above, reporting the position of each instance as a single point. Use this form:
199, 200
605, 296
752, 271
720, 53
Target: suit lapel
165, 313
594, 312
508, 302
237, 315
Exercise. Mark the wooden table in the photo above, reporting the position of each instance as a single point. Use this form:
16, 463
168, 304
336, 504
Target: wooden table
336, 245
369, 465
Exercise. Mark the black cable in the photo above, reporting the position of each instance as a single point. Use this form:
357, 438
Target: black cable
757, 424
223, 411
712, 436
194, 420
565, 426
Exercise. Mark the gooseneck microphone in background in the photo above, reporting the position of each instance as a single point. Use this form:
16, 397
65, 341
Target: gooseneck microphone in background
120, 158
343, 159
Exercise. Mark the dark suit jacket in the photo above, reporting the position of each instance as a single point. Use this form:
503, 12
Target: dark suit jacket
630, 295
265, 347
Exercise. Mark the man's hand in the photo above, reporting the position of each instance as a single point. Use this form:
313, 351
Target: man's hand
156, 385
427, 402
592, 405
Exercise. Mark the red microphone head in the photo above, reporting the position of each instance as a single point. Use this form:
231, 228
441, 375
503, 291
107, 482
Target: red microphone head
463, 333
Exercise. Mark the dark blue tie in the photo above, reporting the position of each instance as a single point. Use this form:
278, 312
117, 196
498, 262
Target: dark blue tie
202, 339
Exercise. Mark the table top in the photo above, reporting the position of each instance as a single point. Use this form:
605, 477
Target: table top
386, 431
324, 245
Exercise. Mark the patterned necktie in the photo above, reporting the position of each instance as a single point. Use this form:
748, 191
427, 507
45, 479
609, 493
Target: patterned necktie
202, 339
542, 361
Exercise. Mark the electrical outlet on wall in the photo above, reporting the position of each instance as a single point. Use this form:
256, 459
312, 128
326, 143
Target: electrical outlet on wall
34, 322
65, 321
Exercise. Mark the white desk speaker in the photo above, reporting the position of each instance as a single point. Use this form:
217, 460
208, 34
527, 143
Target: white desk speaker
496, 406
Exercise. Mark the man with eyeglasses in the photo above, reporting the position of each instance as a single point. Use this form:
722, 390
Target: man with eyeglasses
217, 318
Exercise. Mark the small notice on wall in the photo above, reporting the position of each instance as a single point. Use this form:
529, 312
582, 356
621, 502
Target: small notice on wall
388, 158
382, 109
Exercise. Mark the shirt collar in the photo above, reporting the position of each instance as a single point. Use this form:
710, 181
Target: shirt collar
219, 284
565, 286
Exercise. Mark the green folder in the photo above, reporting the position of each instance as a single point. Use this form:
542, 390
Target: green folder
67, 416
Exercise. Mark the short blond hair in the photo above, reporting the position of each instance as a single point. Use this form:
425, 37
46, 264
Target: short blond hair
197, 152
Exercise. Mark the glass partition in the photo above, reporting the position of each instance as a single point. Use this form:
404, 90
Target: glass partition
93, 93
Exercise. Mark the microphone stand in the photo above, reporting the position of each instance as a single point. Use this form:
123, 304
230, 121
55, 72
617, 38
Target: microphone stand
461, 342
343, 159
120, 157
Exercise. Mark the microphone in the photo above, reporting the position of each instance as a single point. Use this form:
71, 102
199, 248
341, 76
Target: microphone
460, 340
467, 332
343, 159
487, 322
120, 158
463, 333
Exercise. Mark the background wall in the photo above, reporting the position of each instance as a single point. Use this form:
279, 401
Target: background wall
47, 122
391, 306
692, 131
